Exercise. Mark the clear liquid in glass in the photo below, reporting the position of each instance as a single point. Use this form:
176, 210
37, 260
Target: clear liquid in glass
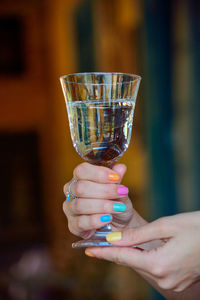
101, 130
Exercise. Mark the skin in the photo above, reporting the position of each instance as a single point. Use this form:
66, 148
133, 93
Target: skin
96, 196
170, 259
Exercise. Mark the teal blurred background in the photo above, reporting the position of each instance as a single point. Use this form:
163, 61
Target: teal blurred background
44, 39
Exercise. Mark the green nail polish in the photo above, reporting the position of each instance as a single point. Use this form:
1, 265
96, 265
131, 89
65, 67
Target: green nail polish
120, 207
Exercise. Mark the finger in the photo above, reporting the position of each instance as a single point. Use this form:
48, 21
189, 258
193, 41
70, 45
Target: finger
184, 285
120, 169
174, 282
82, 206
78, 224
158, 229
88, 189
86, 171
131, 257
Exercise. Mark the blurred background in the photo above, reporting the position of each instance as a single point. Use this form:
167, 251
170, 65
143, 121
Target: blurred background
40, 40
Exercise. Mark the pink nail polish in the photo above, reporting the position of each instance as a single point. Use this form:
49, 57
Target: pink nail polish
122, 190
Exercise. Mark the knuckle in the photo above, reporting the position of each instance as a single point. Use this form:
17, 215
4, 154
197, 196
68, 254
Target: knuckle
158, 270
168, 225
65, 188
163, 226
71, 228
93, 222
79, 170
107, 207
80, 223
166, 284
117, 258
79, 188
109, 191
77, 206
64, 208
179, 289
101, 174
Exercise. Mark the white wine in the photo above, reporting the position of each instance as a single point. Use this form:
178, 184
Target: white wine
101, 130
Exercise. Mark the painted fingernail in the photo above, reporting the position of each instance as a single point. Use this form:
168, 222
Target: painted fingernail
119, 207
89, 253
122, 190
105, 218
114, 236
113, 177
68, 197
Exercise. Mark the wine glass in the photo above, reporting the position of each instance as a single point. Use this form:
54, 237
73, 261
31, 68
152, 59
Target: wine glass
100, 110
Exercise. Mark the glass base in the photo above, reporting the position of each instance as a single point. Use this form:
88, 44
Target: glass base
97, 240
90, 243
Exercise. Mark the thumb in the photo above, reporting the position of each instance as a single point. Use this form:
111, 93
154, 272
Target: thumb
131, 257
120, 169
158, 229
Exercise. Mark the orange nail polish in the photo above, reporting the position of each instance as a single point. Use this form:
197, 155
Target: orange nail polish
89, 253
113, 177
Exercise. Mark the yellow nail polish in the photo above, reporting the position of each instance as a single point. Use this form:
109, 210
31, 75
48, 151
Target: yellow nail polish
89, 253
113, 177
114, 236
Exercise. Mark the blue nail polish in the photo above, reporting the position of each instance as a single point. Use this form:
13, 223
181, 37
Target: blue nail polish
120, 207
68, 197
105, 218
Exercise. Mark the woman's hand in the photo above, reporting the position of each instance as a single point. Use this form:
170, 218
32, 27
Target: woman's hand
173, 266
101, 199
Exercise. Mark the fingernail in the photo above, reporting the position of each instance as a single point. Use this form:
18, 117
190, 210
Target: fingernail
119, 207
89, 253
113, 177
114, 236
68, 197
122, 190
105, 218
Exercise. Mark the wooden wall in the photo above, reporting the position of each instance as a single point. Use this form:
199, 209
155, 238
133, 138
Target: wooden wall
33, 100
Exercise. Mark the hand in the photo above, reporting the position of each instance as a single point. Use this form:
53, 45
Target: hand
99, 195
173, 266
